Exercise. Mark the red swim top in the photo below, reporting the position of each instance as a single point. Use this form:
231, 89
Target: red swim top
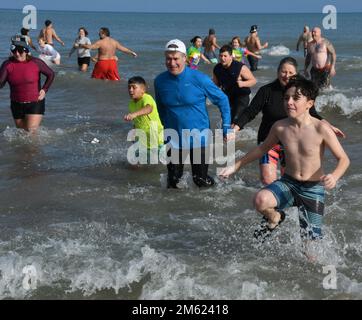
24, 78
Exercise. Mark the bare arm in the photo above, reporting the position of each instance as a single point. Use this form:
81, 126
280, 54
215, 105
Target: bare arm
125, 50
214, 43
246, 78
95, 45
338, 132
257, 56
75, 45
343, 161
143, 111
308, 59
215, 80
32, 45
254, 154
300, 40
57, 38
259, 46
332, 53
205, 59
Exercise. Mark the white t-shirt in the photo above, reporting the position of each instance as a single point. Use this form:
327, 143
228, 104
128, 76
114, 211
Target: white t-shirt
82, 52
48, 53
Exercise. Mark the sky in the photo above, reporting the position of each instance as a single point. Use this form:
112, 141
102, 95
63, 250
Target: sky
217, 6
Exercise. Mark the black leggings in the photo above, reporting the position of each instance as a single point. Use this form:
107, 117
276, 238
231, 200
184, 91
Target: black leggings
199, 169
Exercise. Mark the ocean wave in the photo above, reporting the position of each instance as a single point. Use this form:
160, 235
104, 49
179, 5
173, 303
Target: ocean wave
347, 106
278, 51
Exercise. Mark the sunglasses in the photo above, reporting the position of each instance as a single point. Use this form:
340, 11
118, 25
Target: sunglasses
19, 49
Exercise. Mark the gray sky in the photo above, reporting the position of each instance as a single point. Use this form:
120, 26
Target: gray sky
237, 6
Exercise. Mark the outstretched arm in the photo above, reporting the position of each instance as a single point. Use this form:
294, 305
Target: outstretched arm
95, 45
259, 46
205, 59
256, 153
126, 50
257, 56
57, 38
143, 111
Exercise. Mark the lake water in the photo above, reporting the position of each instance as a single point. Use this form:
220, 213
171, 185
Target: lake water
81, 224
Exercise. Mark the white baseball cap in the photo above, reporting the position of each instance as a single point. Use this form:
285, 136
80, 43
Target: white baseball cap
176, 45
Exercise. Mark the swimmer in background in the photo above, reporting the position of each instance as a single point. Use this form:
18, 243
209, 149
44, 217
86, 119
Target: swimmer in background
106, 67
210, 45
322, 56
48, 32
194, 54
47, 53
84, 55
305, 38
254, 45
25, 32
240, 52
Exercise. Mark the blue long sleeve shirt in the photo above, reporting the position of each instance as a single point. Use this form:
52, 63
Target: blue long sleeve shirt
181, 103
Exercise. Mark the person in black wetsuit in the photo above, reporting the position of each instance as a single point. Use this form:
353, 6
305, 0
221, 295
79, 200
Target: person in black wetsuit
235, 80
269, 100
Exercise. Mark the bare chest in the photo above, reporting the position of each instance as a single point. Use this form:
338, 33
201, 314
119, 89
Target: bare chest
304, 142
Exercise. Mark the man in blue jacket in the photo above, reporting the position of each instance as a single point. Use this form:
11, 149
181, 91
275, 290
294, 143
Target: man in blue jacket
181, 101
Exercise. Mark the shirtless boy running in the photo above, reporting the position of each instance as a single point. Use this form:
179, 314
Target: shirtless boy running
303, 184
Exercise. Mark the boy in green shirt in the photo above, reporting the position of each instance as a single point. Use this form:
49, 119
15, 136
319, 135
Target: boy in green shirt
143, 112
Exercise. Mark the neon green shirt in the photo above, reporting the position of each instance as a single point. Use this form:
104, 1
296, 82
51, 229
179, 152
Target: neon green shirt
149, 123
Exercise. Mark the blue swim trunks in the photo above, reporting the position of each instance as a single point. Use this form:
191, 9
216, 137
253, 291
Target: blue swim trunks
308, 196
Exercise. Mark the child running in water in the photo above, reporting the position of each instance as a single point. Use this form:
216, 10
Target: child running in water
143, 112
303, 184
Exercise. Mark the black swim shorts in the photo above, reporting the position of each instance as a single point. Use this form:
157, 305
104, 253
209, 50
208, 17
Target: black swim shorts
84, 60
21, 109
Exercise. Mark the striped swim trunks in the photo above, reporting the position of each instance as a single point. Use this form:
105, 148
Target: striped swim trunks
308, 196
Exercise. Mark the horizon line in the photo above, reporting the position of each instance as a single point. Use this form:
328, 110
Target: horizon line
179, 12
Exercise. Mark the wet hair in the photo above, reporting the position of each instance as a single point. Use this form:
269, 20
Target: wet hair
211, 31
85, 30
24, 31
288, 60
105, 31
226, 48
47, 23
303, 87
194, 39
137, 80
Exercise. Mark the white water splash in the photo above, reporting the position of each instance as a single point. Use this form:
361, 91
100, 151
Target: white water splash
278, 51
348, 106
